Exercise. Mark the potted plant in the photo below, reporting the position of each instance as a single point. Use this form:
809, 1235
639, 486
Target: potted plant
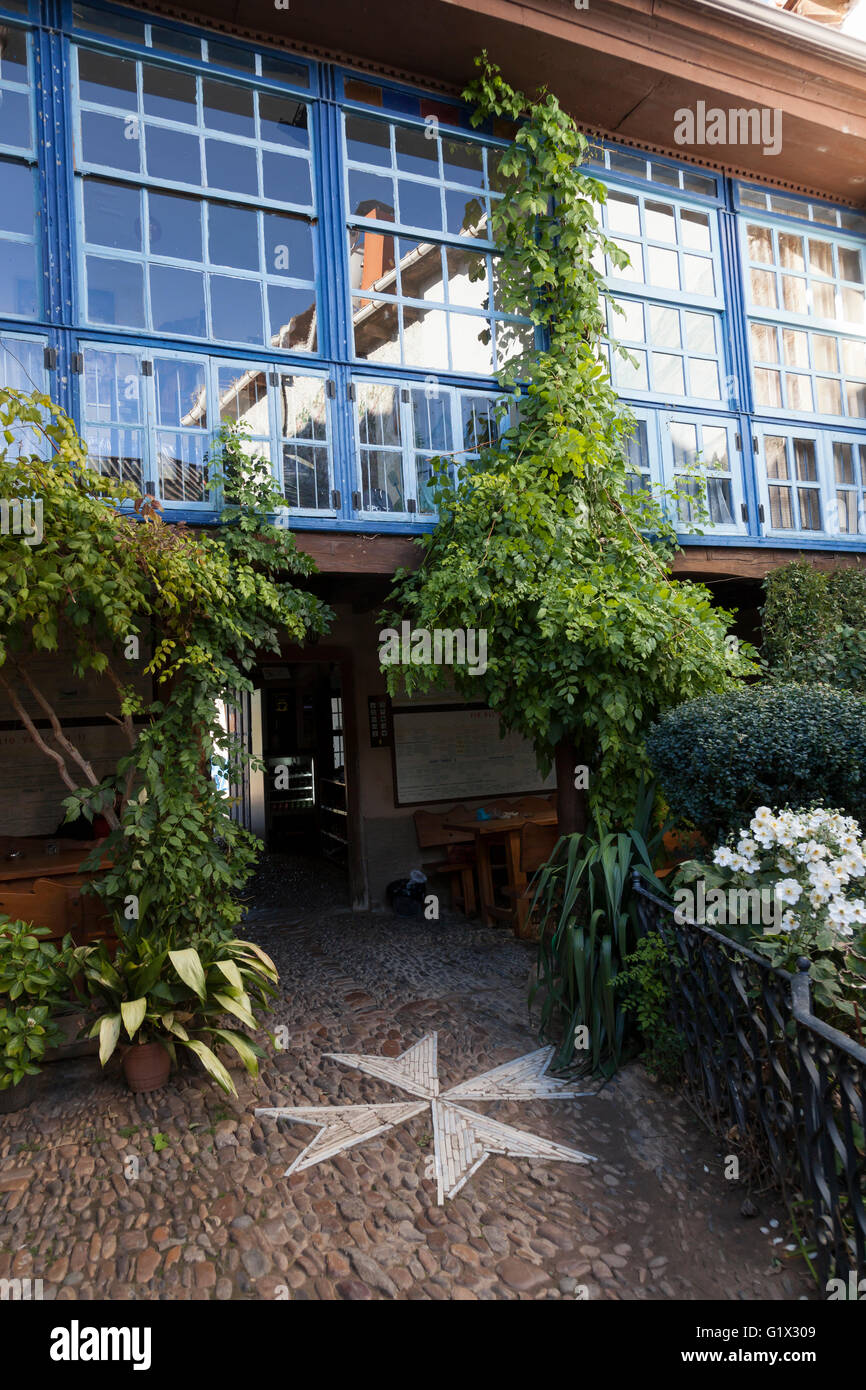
160, 996
34, 994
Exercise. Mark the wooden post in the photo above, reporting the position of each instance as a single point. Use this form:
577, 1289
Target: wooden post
572, 803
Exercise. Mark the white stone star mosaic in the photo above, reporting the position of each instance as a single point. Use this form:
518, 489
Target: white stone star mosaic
462, 1138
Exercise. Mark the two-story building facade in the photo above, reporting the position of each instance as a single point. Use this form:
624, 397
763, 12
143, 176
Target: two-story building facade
279, 215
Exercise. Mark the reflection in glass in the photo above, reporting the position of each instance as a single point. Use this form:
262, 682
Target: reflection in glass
236, 309
283, 121
168, 94
104, 141
177, 302
172, 156
292, 319
233, 237
112, 215
115, 292
175, 226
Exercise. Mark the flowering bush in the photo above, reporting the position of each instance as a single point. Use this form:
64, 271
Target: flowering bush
810, 866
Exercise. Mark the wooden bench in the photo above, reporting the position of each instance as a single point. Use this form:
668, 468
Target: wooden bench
458, 865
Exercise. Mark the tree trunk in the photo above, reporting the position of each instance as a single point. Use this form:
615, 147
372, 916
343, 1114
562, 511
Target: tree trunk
572, 802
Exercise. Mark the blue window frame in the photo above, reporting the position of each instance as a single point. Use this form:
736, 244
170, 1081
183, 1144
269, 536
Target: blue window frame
150, 416
16, 82
22, 368
805, 290
20, 248
236, 267
693, 463
421, 269
812, 481
401, 428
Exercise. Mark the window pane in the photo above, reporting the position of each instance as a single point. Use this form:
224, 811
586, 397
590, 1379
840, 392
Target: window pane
852, 306
425, 337
695, 229
462, 162
182, 467
829, 396
416, 154
846, 511
799, 391
629, 324
795, 347
684, 438
623, 213
288, 246
378, 415
111, 141
168, 94
228, 108
107, 81
117, 453
115, 292
764, 289
368, 142
15, 129
776, 452
371, 195
181, 397
821, 257
631, 372
843, 463
236, 309
715, 448
382, 481
804, 460
464, 215
243, 397
823, 301
825, 353
286, 179
856, 397
663, 268
760, 244
704, 379
850, 266
668, 374
794, 294
172, 156
292, 318
177, 301
420, 205
112, 215
768, 388
175, 226
17, 199
792, 255
764, 347
283, 122
781, 515
231, 167
664, 327
854, 357
233, 237
700, 333
112, 391
660, 222
810, 508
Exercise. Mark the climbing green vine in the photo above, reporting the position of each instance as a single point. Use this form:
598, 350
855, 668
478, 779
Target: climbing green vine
545, 542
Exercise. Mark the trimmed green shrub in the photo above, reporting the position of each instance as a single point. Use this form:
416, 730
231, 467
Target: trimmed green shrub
814, 626
720, 757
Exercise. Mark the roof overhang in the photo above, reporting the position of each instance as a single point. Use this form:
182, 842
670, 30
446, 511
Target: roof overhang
621, 67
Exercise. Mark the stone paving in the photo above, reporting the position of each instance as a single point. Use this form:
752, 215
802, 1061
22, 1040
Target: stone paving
181, 1194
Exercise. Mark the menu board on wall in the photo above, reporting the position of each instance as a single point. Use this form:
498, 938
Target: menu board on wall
456, 754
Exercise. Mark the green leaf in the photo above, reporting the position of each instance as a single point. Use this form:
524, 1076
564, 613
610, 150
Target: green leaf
109, 1032
132, 1012
188, 965
212, 1064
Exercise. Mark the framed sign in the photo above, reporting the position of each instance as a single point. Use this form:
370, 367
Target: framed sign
455, 753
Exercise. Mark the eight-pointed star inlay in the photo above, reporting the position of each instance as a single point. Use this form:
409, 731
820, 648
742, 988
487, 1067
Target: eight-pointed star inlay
462, 1139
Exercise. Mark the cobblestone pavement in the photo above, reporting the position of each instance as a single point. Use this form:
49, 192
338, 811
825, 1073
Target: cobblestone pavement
210, 1214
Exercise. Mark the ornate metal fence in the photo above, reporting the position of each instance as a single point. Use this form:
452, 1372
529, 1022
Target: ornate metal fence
757, 1058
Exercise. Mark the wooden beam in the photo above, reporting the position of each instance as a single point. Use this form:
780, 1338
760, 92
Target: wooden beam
755, 562
340, 553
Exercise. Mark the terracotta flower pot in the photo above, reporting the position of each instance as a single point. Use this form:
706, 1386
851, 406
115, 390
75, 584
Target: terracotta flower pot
146, 1066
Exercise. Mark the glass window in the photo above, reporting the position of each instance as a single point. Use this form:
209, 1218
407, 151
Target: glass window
684, 359
702, 473
19, 252
16, 131
303, 433
670, 247
830, 375
793, 486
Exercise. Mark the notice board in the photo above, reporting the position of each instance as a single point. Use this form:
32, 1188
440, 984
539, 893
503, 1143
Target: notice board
448, 753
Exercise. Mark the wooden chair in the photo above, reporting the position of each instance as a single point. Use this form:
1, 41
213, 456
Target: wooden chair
537, 843
458, 865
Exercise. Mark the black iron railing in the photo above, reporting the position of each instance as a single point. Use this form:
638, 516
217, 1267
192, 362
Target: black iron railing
789, 1090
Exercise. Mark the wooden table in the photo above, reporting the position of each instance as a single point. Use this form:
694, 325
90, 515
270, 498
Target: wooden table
31, 860
503, 830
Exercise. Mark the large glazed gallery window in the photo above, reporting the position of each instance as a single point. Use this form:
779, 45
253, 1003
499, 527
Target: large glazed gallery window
402, 429
150, 418
423, 277
806, 292
196, 201
669, 295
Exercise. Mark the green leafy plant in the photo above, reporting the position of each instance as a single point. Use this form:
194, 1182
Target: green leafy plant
34, 992
584, 897
26, 1032
644, 985
118, 591
814, 626
152, 991
545, 543
721, 757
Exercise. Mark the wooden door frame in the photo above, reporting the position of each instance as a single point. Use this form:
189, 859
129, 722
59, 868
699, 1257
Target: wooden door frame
321, 654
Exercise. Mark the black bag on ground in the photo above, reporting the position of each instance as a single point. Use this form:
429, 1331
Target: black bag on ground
405, 896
